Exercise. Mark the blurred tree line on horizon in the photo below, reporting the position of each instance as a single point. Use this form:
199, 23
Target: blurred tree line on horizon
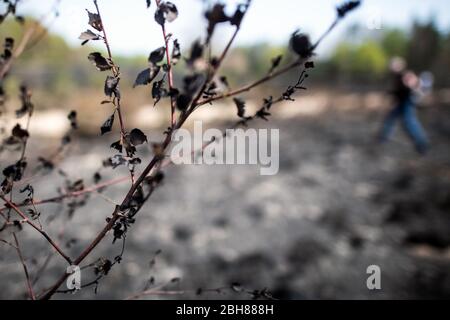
359, 60
364, 59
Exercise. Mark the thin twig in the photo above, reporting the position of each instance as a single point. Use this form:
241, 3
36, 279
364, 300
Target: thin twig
254, 84
115, 70
74, 194
42, 232
169, 72
49, 257
25, 269
116, 73
212, 73
42, 268
8, 243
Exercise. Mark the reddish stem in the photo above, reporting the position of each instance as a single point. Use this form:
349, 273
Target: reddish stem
114, 69
169, 72
25, 269
43, 233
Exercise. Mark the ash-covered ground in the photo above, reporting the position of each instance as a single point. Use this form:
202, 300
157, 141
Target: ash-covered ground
340, 203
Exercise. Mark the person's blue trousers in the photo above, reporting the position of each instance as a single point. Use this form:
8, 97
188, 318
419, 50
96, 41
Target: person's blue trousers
407, 113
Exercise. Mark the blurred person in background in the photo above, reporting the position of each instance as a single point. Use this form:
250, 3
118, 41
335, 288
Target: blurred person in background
407, 87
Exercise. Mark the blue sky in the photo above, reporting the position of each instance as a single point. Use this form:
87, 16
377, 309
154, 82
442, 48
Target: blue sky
132, 30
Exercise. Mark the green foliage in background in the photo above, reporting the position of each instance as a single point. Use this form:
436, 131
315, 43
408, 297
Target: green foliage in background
366, 57
367, 60
51, 65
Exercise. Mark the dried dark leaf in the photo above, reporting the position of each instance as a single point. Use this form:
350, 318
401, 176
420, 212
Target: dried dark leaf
95, 21
6, 185
211, 90
176, 52
158, 91
134, 161
345, 8
8, 46
20, 19
9, 43
154, 181
224, 81
66, 140
301, 44
268, 103
78, 185
99, 61
240, 104
46, 164
275, 63
29, 189
146, 76
103, 267
137, 137
183, 101
166, 11
196, 53
73, 119
117, 145
263, 114
171, 11
117, 160
2, 96
111, 86
107, 125
157, 55
193, 82
236, 20
214, 16
159, 16
97, 177
25, 98
33, 214
129, 147
309, 64
15, 171
88, 35
20, 133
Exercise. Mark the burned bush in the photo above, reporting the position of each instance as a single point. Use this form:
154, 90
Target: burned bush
201, 85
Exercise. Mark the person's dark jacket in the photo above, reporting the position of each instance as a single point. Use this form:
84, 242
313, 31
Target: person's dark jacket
400, 91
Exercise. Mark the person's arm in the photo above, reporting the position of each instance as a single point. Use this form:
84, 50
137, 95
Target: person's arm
412, 81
